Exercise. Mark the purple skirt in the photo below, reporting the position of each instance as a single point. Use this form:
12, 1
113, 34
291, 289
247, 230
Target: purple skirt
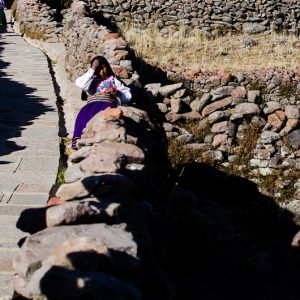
85, 114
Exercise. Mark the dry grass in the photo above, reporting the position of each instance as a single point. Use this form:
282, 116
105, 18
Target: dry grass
193, 50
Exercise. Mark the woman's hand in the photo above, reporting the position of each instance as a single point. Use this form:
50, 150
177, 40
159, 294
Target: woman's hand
113, 92
95, 65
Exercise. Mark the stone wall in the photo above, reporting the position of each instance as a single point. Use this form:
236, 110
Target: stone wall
249, 123
84, 39
37, 20
211, 16
86, 242
82, 36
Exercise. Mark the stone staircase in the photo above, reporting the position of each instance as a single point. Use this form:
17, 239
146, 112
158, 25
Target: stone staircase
29, 142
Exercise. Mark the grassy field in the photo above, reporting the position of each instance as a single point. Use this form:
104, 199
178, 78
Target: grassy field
231, 52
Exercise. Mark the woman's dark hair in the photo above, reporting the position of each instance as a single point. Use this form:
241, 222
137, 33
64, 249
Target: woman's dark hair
103, 61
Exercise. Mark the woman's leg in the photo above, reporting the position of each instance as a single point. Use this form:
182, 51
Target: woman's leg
85, 115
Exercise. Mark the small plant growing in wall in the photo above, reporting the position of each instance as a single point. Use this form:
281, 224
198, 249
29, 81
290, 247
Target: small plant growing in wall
287, 90
61, 176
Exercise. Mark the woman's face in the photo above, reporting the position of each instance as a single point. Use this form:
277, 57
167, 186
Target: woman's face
103, 71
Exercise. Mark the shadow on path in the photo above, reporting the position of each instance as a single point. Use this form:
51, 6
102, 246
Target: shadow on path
18, 106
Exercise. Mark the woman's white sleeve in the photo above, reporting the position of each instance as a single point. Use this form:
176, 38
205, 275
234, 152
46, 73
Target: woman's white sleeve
84, 81
125, 93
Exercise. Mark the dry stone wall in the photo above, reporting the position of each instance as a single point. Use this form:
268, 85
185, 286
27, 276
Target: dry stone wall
84, 39
211, 16
82, 36
37, 20
85, 243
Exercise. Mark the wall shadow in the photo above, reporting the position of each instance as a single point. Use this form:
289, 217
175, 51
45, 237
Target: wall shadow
218, 237
18, 107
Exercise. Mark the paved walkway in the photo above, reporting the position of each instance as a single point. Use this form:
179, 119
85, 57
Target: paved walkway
29, 144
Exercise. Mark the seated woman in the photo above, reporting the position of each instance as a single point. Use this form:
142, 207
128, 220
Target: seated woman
103, 90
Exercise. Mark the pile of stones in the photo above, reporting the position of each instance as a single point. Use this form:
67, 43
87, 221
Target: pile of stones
225, 116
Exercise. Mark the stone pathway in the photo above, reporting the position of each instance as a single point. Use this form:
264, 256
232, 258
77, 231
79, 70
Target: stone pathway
29, 143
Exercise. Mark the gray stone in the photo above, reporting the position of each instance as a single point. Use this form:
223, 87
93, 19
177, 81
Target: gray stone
221, 104
199, 146
185, 138
292, 112
220, 127
195, 105
168, 90
94, 185
223, 91
294, 139
31, 257
216, 117
73, 173
80, 212
134, 113
153, 88
246, 109
176, 105
271, 106
253, 28
269, 137
73, 284
253, 96
204, 100
111, 157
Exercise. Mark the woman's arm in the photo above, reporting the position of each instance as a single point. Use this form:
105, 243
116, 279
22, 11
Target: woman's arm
84, 81
124, 91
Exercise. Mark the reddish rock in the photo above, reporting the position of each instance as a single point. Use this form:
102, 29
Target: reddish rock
112, 113
216, 106
218, 139
239, 93
275, 121
55, 201
79, 7
119, 71
120, 54
296, 240
292, 123
281, 115
225, 77
111, 36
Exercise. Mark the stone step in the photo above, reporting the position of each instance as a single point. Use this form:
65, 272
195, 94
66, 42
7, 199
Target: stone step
29, 199
13, 210
6, 258
27, 143
6, 286
9, 234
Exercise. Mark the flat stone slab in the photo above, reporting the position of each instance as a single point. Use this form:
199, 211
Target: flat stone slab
9, 234
13, 210
30, 199
113, 237
27, 177
6, 286
6, 258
